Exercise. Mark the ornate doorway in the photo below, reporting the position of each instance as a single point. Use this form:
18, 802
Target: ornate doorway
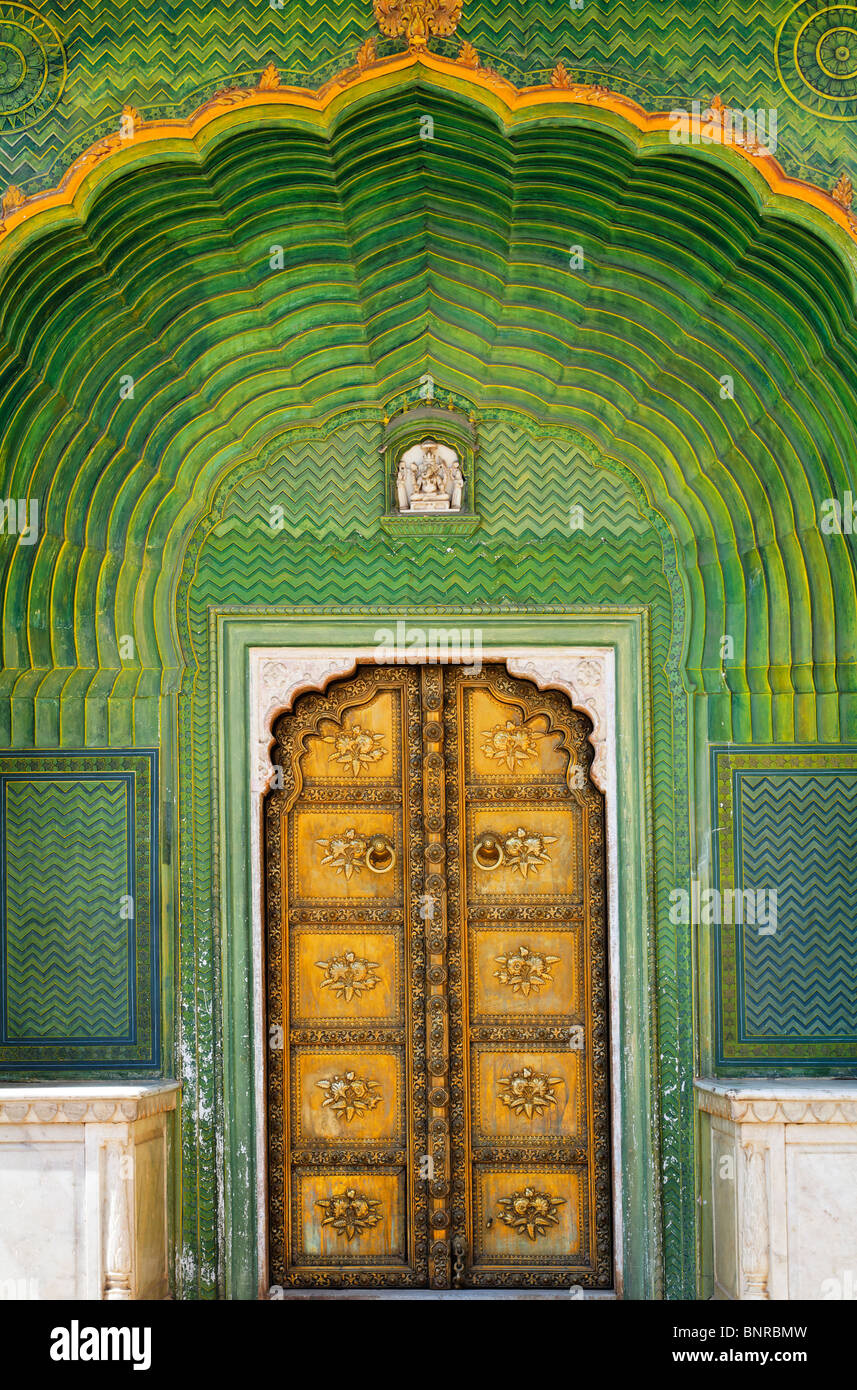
436, 987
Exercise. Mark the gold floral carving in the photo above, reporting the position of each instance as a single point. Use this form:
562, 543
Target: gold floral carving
350, 1095
349, 852
356, 748
512, 743
227, 96
348, 975
366, 54
346, 853
349, 1212
418, 19
528, 1092
715, 113
530, 1212
128, 122
468, 56
521, 850
560, 77
843, 192
13, 199
525, 971
270, 79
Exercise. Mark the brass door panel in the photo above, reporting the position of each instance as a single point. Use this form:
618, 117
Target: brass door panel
346, 976
537, 1095
536, 971
351, 1093
521, 1218
437, 1003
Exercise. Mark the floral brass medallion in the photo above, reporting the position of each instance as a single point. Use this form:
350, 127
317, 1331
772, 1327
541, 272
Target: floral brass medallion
521, 850
349, 852
525, 970
348, 976
346, 853
530, 1212
528, 1092
356, 748
511, 743
350, 1095
349, 1212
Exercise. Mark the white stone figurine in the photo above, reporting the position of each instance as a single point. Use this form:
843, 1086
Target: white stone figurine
429, 479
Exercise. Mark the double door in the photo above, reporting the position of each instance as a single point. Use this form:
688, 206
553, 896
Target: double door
436, 987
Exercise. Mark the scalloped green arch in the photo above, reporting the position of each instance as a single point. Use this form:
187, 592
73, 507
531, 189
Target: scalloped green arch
449, 255
401, 256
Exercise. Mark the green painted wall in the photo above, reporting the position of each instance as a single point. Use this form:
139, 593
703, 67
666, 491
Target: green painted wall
255, 386
167, 56
525, 557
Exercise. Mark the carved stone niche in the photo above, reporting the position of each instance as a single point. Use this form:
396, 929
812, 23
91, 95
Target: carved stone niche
429, 456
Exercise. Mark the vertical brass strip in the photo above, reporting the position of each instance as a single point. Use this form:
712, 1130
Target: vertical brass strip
437, 1020
458, 1006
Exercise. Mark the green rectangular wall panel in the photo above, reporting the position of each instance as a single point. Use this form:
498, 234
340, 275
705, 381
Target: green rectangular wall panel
78, 952
787, 821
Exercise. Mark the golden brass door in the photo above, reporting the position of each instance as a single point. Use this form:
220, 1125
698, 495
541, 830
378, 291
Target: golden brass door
436, 987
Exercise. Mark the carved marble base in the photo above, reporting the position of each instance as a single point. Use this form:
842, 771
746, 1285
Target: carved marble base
779, 1173
83, 1191
426, 504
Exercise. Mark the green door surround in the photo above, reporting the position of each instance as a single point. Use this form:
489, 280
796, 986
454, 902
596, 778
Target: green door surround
233, 634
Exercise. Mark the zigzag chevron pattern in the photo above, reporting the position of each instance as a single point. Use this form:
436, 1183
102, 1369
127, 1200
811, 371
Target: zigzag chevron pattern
67, 954
529, 487
799, 835
524, 486
261, 567
333, 490
165, 57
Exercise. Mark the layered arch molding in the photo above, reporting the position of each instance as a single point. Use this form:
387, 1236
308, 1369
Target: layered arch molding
199, 297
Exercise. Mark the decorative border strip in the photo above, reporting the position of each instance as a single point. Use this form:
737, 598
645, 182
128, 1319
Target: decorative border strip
825, 1103
133, 134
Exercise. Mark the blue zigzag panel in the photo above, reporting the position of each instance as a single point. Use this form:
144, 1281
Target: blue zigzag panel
788, 823
78, 913
799, 831
67, 882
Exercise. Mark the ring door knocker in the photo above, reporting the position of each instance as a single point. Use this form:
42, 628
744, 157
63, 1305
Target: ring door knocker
348, 852
488, 851
523, 849
380, 854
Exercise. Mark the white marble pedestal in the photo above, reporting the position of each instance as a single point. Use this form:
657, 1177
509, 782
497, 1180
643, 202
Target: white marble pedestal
779, 1188
83, 1190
